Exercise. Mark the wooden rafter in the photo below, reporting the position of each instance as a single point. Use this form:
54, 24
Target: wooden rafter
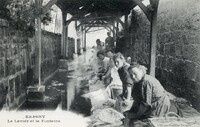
110, 24
107, 28
88, 29
96, 25
48, 6
120, 21
79, 25
69, 21
147, 11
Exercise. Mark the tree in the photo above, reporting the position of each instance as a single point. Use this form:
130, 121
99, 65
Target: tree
21, 13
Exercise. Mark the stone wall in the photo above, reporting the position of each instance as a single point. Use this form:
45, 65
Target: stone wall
178, 56
51, 51
178, 46
18, 62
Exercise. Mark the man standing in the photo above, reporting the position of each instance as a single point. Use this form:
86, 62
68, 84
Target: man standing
109, 42
121, 43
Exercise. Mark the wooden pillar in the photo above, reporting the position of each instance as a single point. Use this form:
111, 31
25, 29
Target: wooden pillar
82, 40
84, 49
117, 31
67, 42
40, 47
117, 28
131, 43
64, 16
39, 37
126, 34
153, 43
126, 22
153, 36
114, 33
151, 14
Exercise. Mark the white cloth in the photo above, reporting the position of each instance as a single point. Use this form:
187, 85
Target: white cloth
115, 76
105, 63
107, 117
97, 97
116, 82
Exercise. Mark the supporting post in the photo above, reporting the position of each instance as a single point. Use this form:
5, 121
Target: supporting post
40, 47
117, 31
114, 32
126, 33
82, 36
38, 37
153, 44
76, 24
64, 16
84, 49
151, 14
67, 42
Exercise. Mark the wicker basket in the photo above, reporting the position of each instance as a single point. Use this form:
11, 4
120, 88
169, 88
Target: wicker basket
173, 120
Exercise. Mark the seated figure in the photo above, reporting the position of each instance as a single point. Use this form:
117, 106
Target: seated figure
150, 98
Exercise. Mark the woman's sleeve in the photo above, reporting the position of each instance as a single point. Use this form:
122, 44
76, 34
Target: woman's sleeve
129, 81
147, 91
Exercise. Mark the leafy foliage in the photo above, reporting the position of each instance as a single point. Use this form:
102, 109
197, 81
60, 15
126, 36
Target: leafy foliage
21, 13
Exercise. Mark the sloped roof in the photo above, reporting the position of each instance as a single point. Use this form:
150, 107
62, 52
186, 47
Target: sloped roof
106, 10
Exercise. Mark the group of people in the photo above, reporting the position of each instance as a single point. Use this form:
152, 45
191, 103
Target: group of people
150, 98
110, 44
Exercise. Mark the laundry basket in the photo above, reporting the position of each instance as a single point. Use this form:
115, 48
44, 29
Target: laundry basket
173, 120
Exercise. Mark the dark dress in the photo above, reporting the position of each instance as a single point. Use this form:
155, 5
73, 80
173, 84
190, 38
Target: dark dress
121, 45
109, 43
125, 78
150, 99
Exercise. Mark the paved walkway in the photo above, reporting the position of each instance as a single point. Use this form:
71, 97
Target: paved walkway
72, 81
78, 70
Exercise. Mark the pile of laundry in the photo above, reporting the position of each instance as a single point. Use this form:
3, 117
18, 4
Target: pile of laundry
103, 111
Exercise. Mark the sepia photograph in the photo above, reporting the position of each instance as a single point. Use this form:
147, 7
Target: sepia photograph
99, 63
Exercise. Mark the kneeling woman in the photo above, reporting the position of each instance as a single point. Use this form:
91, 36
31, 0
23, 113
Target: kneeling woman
150, 98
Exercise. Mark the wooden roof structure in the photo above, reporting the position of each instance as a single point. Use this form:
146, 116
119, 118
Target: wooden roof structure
98, 13
95, 13
100, 7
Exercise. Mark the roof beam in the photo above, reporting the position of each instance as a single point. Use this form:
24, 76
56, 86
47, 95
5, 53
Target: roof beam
79, 25
69, 21
111, 24
107, 28
88, 29
95, 18
96, 25
147, 11
48, 6
121, 22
